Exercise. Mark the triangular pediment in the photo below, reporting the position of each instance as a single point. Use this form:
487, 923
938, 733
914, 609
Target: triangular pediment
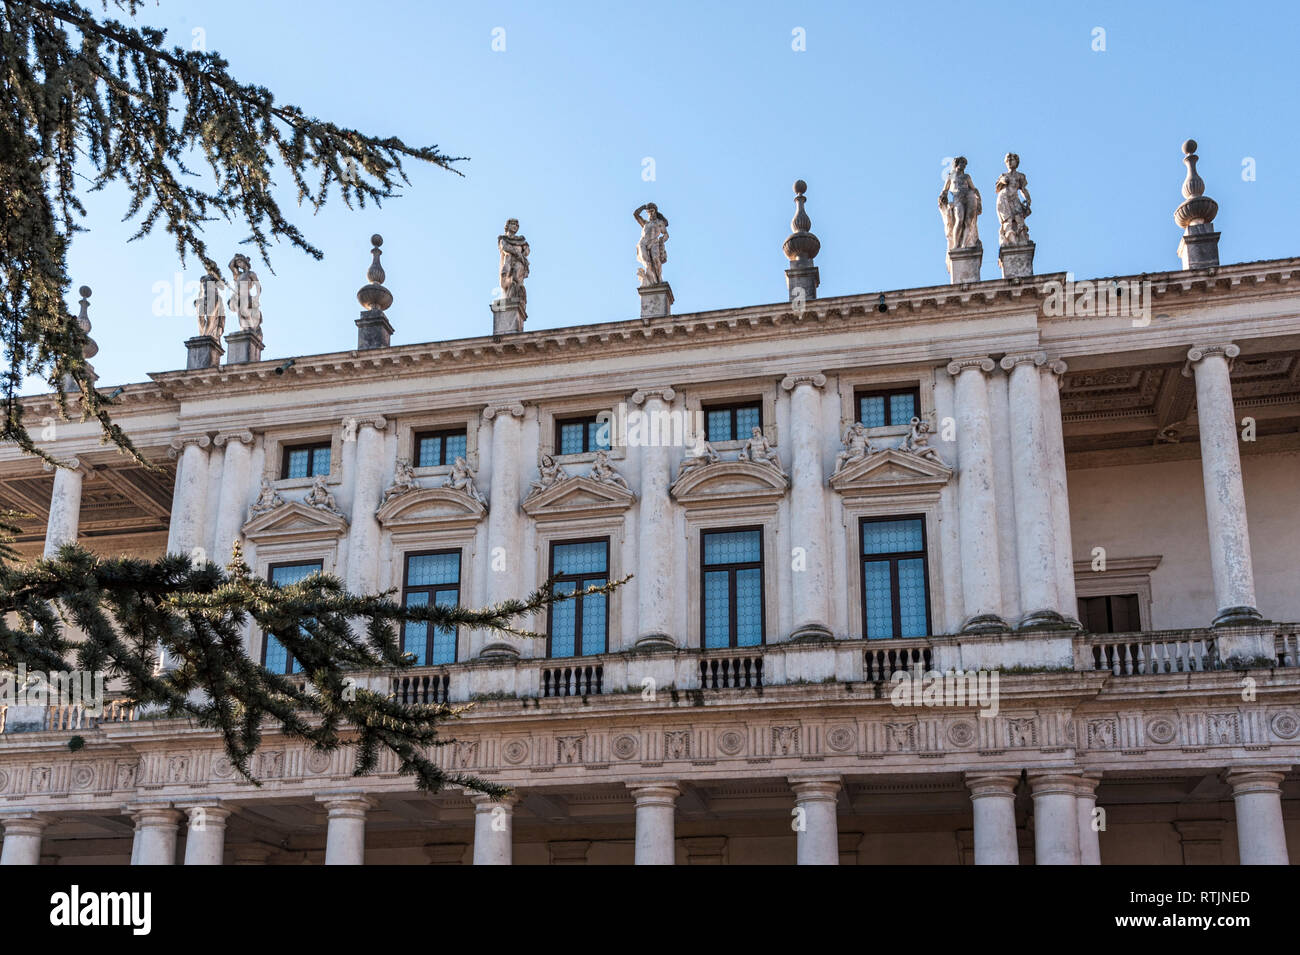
293, 520
579, 496
430, 505
721, 481
890, 470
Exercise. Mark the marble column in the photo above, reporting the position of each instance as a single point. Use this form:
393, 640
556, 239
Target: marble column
504, 535
232, 497
977, 499
494, 824
189, 498
1056, 818
810, 596
205, 837
1035, 524
1085, 801
1257, 793
818, 834
155, 835
22, 838
656, 804
993, 802
65, 506
363, 535
1225, 496
1053, 469
656, 543
345, 837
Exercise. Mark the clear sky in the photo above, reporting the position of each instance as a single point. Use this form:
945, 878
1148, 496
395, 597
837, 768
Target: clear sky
559, 125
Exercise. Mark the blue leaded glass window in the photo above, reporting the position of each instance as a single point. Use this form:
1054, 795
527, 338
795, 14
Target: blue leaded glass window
306, 460
577, 435
732, 422
275, 656
431, 576
434, 448
578, 627
878, 409
732, 591
895, 589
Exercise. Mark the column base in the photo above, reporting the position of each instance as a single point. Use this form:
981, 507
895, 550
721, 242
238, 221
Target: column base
1045, 620
1238, 617
655, 641
985, 623
656, 300
964, 264
812, 633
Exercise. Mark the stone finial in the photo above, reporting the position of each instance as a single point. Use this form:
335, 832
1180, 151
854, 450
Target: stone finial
373, 328
89, 349
801, 247
1199, 247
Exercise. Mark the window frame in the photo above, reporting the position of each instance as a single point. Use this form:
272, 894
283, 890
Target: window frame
731, 407
886, 393
1110, 616
267, 637
577, 601
418, 436
760, 565
432, 590
587, 447
894, 557
312, 447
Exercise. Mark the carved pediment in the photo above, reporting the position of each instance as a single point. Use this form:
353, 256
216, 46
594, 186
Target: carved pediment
295, 521
430, 505
722, 481
579, 496
890, 470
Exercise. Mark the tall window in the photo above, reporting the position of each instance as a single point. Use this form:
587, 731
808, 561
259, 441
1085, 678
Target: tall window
431, 577
895, 588
732, 422
306, 460
1114, 613
576, 435
433, 448
578, 627
732, 606
877, 409
275, 656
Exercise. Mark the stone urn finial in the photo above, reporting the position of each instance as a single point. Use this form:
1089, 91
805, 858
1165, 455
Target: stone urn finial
88, 348
1198, 209
801, 246
373, 297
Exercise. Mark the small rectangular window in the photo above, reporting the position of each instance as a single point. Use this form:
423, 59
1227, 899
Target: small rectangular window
879, 409
275, 656
432, 576
436, 448
306, 460
578, 435
578, 627
1113, 613
732, 588
732, 422
895, 585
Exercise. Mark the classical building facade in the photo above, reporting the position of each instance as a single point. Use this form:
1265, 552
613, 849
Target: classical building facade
1078, 500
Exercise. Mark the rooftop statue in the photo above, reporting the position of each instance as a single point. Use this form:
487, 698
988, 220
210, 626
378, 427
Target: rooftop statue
247, 290
211, 312
650, 251
514, 264
960, 210
1012, 211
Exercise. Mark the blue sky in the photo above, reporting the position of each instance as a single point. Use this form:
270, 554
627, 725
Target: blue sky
558, 125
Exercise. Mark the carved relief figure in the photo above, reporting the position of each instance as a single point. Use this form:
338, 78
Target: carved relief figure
514, 264
603, 471
650, 250
856, 446
247, 290
461, 479
403, 481
704, 454
319, 496
960, 210
211, 312
918, 442
549, 473
268, 499
1012, 210
758, 450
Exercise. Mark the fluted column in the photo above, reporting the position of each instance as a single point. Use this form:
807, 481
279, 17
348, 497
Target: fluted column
205, 836
656, 804
977, 498
1085, 801
345, 837
189, 499
1056, 818
1257, 793
1053, 470
1225, 496
1035, 530
22, 838
494, 825
232, 498
364, 532
993, 802
816, 824
504, 530
155, 835
65, 506
810, 596
656, 544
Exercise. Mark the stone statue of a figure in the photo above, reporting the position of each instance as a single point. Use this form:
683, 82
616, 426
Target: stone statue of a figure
603, 471
758, 450
268, 499
917, 441
650, 251
856, 446
514, 264
461, 479
549, 473
319, 496
960, 210
403, 481
703, 455
211, 312
246, 292
1012, 210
